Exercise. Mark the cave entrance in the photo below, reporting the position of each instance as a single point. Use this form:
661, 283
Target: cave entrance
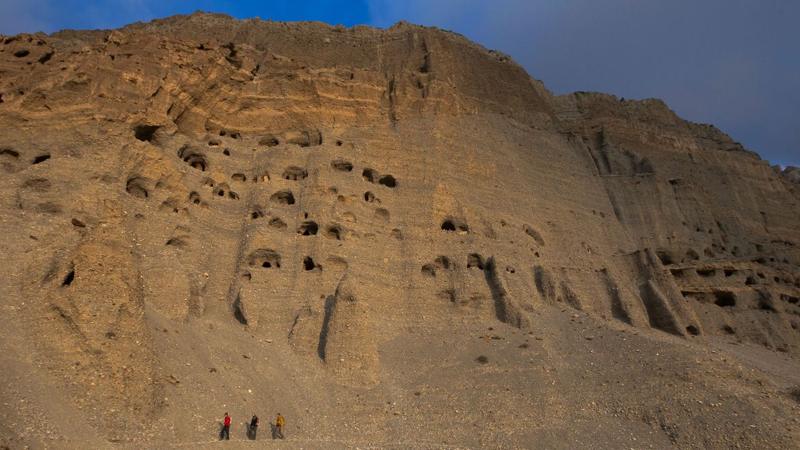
145, 132
724, 299
308, 228
265, 258
284, 197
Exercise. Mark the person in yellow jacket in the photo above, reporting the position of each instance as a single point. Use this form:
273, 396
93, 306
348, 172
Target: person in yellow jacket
279, 423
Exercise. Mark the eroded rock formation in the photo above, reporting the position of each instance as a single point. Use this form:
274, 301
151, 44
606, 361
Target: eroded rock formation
197, 205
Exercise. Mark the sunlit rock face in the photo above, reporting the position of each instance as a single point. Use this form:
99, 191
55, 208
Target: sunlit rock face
202, 214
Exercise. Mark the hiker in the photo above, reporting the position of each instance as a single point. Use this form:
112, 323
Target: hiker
225, 433
279, 423
253, 427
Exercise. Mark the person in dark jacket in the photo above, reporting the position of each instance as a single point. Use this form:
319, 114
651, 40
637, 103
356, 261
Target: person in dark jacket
253, 427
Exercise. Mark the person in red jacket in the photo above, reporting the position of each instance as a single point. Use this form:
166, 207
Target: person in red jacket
225, 433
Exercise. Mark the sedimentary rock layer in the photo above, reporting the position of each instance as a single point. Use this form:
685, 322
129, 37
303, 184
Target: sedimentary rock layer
337, 191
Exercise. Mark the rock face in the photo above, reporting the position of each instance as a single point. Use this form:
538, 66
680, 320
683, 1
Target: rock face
205, 215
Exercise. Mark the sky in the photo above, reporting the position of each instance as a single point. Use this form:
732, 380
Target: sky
732, 63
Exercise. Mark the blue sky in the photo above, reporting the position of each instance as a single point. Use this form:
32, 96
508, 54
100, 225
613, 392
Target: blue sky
733, 63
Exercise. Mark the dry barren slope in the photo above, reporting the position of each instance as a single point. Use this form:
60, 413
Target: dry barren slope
394, 237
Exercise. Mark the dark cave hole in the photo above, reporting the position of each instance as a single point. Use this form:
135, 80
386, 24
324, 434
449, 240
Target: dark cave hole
308, 228
222, 189
69, 278
665, 257
265, 258
283, 197
145, 132
276, 222
294, 173
790, 299
9, 152
342, 165
135, 187
454, 225
724, 299
232, 134
257, 213
334, 232
388, 181
176, 242
309, 264
369, 175
195, 159
41, 158
268, 140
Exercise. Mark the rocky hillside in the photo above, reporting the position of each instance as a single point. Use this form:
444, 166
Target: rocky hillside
394, 237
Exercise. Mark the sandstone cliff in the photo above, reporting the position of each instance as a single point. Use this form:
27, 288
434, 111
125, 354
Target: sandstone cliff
398, 226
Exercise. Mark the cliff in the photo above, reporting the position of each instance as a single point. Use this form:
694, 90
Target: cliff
397, 227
